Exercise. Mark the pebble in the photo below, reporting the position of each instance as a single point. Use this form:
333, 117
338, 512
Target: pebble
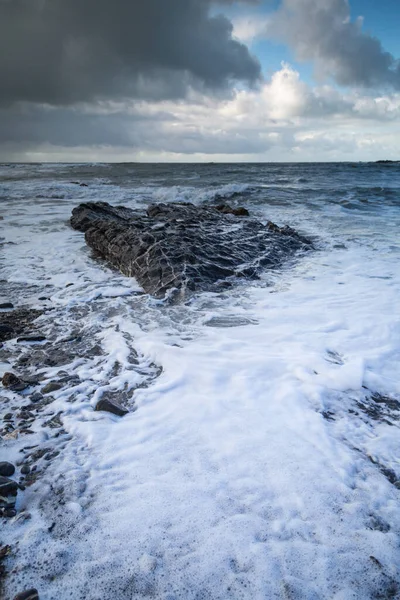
13, 382
52, 386
6, 469
6, 305
31, 338
111, 406
25, 469
31, 594
9, 379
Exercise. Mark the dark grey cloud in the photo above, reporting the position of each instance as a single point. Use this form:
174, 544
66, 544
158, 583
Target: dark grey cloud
65, 51
321, 31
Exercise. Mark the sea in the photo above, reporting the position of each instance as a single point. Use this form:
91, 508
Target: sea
260, 459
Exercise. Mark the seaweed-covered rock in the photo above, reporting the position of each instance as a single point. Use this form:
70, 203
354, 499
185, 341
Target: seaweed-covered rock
180, 246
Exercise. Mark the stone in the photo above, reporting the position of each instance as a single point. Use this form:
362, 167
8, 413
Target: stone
177, 248
17, 322
228, 210
25, 469
5, 305
52, 386
31, 594
6, 469
8, 492
111, 406
13, 382
31, 338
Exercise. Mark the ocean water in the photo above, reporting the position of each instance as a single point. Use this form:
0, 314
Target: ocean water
251, 465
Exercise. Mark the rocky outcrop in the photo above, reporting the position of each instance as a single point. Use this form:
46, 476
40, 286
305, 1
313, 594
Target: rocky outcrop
183, 247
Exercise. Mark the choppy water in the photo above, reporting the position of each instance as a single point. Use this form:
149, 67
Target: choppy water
227, 481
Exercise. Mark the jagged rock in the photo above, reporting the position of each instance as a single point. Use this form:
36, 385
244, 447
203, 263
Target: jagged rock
6, 469
31, 594
180, 246
111, 406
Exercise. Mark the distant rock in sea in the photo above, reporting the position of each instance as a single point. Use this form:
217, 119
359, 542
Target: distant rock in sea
180, 246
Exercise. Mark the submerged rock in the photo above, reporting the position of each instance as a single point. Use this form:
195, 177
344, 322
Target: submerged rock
180, 246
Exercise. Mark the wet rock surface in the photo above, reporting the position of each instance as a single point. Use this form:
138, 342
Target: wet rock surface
183, 246
111, 406
16, 322
6, 469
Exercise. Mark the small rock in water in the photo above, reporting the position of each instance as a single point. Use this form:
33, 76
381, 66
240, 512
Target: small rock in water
6, 305
25, 469
228, 210
31, 338
13, 382
31, 594
52, 386
10, 379
8, 492
6, 469
112, 407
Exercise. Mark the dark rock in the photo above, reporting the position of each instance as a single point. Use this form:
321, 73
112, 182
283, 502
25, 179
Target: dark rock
36, 397
14, 383
6, 469
6, 305
52, 386
8, 492
43, 298
10, 512
111, 406
31, 338
31, 594
228, 210
183, 247
17, 322
25, 469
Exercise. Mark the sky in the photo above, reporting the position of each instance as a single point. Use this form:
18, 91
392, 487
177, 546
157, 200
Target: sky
198, 80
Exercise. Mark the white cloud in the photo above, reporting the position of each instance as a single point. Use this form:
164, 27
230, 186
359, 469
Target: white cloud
248, 29
285, 119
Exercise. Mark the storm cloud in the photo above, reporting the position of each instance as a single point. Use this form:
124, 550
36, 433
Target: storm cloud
65, 51
321, 31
